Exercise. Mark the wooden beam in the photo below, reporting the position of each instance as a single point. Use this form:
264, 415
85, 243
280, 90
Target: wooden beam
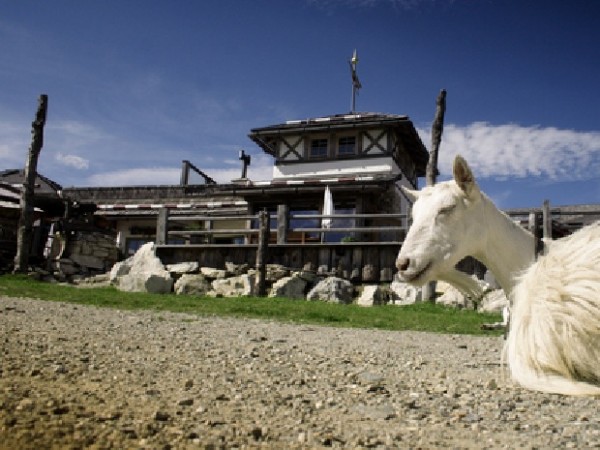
24, 231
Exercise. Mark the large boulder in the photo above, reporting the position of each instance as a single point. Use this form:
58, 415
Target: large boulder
143, 272
289, 287
151, 282
192, 284
241, 286
455, 298
332, 289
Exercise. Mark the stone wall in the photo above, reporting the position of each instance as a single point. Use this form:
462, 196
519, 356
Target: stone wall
82, 253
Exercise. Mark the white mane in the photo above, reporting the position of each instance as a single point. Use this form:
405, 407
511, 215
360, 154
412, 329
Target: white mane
553, 344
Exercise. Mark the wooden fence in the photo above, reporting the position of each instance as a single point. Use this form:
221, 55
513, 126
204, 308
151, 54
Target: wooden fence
367, 253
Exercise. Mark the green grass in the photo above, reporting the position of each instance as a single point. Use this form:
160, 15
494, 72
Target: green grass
418, 317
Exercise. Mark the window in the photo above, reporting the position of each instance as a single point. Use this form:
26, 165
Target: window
346, 145
318, 148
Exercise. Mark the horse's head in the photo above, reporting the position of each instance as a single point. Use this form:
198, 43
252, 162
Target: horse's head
446, 225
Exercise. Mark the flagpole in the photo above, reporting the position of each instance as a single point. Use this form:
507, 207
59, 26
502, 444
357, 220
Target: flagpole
355, 82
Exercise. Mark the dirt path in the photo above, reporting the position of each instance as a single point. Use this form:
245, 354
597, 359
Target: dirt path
80, 377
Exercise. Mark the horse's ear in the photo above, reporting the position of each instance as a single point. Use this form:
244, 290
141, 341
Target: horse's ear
463, 175
410, 194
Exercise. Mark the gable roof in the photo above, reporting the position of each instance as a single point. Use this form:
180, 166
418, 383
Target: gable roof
344, 122
43, 185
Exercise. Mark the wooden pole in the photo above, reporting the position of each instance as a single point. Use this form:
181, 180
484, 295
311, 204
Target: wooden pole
27, 206
162, 227
282, 223
546, 220
437, 128
261, 252
431, 172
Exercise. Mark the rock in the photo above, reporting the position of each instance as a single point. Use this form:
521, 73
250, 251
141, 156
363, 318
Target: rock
236, 269
404, 293
183, 268
146, 273
332, 289
242, 286
151, 282
67, 266
311, 278
192, 284
493, 301
275, 272
453, 297
372, 295
289, 287
119, 269
212, 273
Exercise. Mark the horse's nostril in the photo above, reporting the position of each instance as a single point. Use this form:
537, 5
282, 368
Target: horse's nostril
403, 264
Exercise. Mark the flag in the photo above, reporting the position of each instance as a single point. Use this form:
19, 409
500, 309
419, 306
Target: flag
353, 62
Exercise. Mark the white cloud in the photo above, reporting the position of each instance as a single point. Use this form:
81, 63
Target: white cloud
74, 161
137, 177
261, 168
503, 151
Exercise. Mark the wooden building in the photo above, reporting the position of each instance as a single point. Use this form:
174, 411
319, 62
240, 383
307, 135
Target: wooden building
362, 158
48, 205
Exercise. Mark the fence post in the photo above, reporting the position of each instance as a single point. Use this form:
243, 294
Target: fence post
261, 251
547, 220
162, 226
282, 223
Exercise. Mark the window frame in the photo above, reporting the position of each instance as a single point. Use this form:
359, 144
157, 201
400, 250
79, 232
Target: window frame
311, 147
339, 146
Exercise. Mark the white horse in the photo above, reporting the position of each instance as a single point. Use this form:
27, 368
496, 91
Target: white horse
553, 344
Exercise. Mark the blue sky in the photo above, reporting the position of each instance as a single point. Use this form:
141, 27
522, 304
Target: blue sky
135, 87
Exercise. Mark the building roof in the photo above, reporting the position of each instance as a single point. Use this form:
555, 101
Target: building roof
46, 192
361, 120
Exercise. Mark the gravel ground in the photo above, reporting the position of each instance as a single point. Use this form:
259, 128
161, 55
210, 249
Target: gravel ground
81, 377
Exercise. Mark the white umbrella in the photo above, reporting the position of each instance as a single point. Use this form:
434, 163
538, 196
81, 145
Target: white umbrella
327, 208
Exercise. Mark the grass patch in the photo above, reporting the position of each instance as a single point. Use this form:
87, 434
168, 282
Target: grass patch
417, 317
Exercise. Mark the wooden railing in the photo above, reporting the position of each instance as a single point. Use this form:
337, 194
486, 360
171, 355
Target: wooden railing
283, 232
368, 252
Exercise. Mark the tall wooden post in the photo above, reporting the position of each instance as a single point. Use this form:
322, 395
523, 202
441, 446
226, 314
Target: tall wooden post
546, 220
27, 206
431, 172
282, 223
162, 227
261, 252
437, 128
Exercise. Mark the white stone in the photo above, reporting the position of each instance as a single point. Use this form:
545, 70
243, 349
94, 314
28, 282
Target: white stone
372, 295
212, 273
289, 287
404, 293
183, 267
241, 286
192, 284
493, 301
332, 289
